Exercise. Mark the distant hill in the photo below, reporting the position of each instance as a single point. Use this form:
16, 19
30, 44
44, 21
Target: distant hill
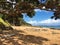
24, 22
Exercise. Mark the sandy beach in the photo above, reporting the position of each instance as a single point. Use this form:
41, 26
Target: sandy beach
27, 35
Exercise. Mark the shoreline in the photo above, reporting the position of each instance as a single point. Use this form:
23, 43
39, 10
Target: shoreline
39, 27
51, 27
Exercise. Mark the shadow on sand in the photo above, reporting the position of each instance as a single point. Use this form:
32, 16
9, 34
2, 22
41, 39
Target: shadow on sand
25, 38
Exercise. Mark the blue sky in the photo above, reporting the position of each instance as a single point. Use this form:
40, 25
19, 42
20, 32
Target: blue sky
42, 17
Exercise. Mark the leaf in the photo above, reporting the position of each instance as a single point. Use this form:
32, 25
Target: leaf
31, 14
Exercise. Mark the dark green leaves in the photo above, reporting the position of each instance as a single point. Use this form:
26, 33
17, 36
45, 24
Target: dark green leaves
24, 6
31, 14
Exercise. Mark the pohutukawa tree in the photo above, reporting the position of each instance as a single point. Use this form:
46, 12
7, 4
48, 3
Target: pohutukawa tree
11, 10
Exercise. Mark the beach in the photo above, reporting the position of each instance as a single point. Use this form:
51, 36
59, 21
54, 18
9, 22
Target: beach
29, 35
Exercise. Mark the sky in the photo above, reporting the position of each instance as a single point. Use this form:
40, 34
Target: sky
42, 17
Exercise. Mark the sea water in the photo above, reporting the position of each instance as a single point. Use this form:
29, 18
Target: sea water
55, 27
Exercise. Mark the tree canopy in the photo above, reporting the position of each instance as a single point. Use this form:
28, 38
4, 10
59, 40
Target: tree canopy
12, 9
17, 7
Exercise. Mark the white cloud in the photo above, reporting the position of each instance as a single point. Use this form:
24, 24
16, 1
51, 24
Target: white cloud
50, 21
45, 22
33, 22
39, 10
36, 10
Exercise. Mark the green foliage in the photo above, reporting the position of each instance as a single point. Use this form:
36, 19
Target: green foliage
22, 22
4, 22
31, 14
13, 14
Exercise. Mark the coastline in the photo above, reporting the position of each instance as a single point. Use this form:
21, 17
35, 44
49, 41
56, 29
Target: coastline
51, 27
